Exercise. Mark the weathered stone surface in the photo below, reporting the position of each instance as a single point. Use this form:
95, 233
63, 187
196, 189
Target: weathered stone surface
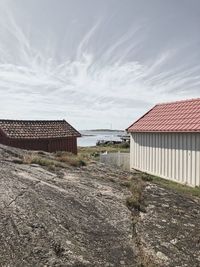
76, 219
169, 232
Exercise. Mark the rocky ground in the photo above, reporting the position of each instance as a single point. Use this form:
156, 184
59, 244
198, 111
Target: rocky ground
78, 217
169, 231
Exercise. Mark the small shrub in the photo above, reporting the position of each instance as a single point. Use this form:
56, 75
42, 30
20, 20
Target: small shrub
146, 177
82, 162
70, 159
60, 160
126, 183
41, 153
124, 145
17, 161
59, 153
135, 200
92, 153
51, 168
27, 158
75, 162
42, 161
95, 154
31, 159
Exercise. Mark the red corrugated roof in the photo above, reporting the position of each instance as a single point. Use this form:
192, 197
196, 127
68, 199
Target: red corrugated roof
37, 129
180, 116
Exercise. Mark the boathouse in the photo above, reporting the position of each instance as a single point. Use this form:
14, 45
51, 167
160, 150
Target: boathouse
48, 136
166, 142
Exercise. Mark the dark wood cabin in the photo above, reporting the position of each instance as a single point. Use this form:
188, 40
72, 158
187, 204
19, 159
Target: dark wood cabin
50, 136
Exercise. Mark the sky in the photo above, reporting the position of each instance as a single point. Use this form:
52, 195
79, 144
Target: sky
96, 63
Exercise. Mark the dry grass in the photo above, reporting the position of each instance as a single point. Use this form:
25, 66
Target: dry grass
70, 159
93, 153
180, 188
60, 159
17, 161
135, 201
35, 159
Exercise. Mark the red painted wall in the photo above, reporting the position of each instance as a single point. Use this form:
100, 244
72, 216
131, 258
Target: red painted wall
50, 145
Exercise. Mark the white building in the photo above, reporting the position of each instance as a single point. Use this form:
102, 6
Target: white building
165, 142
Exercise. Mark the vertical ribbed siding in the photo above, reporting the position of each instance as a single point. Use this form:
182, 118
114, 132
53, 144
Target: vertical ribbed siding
50, 145
174, 156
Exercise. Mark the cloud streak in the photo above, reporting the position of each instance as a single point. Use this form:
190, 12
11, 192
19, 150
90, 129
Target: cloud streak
90, 90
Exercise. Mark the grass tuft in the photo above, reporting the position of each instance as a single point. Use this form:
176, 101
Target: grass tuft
135, 201
146, 177
17, 161
44, 162
70, 159
59, 159
93, 153
180, 188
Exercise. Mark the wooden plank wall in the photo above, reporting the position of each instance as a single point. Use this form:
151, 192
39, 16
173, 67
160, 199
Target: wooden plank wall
50, 145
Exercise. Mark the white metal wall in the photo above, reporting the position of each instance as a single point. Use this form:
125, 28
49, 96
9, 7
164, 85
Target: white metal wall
175, 156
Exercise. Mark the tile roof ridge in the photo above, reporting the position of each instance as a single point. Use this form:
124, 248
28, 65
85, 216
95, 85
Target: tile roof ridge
165, 117
179, 101
10, 120
141, 117
53, 128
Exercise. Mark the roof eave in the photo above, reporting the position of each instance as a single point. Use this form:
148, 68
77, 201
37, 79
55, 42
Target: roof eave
41, 138
127, 129
162, 131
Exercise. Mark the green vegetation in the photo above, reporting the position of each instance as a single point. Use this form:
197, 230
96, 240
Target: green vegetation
70, 159
136, 185
180, 188
93, 153
63, 159
135, 201
42, 161
122, 145
17, 161
52, 161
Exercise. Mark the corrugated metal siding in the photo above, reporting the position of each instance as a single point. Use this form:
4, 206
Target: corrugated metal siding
50, 145
175, 156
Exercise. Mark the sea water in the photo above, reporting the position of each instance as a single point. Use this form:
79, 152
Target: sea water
90, 138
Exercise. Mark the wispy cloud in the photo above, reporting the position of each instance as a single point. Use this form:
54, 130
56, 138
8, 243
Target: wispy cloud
89, 90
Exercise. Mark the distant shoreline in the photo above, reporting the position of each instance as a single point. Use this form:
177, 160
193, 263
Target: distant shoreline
102, 130
87, 135
91, 137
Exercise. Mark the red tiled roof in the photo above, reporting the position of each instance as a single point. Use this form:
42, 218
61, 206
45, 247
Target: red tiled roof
180, 116
37, 129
